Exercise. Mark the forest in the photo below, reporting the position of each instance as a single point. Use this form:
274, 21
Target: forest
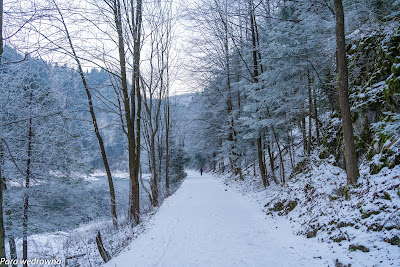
107, 107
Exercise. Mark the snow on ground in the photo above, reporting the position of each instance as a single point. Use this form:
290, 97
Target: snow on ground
84, 214
206, 223
78, 247
313, 199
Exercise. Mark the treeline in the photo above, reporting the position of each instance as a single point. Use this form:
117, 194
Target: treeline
277, 73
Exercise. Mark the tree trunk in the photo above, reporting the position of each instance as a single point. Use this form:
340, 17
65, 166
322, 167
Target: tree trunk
303, 130
316, 119
310, 105
214, 160
103, 252
254, 44
261, 164
271, 162
26, 194
232, 133
290, 148
154, 184
160, 150
167, 128
293, 150
2, 230
136, 78
348, 136
94, 122
130, 105
13, 249
280, 155
11, 239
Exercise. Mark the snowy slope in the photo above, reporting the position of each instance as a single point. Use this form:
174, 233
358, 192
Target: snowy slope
207, 224
311, 201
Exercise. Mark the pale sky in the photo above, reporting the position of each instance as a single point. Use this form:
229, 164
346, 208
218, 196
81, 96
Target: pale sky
86, 36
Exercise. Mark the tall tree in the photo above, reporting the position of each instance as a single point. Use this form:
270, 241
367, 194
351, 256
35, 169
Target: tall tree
343, 84
92, 114
167, 118
2, 230
155, 90
28, 177
131, 102
260, 148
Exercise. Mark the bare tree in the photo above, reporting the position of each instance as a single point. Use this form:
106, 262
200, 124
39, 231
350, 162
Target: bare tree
131, 98
167, 118
155, 91
75, 57
27, 184
2, 229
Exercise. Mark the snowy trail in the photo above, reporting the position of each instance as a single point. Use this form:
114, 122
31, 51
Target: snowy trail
206, 224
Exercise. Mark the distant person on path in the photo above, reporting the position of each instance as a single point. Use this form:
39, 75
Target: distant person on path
201, 171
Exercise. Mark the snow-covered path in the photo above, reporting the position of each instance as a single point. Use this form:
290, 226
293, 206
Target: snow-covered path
206, 224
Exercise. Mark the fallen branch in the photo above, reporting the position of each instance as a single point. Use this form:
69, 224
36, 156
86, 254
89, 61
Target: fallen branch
73, 257
103, 252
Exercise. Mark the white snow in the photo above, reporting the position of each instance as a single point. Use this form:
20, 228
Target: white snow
206, 223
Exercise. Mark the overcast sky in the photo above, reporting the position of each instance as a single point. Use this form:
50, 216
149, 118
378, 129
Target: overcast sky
88, 39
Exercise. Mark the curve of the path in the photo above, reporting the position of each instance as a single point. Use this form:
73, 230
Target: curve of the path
207, 224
